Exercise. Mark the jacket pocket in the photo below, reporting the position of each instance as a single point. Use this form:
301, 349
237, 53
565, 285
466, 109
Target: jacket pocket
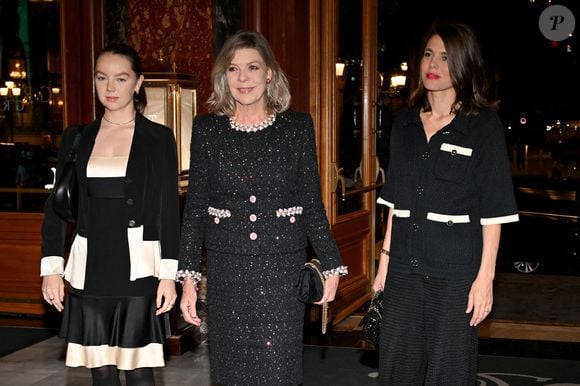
291, 213
452, 162
76, 265
448, 219
451, 236
144, 255
218, 214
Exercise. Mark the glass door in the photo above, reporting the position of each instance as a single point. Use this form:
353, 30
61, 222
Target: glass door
348, 95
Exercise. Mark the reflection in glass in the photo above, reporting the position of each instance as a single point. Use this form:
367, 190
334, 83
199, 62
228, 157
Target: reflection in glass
351, 203
31, 101
348, 102
171, 101
188, 107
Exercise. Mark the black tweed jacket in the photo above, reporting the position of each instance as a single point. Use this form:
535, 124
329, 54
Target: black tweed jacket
255, 192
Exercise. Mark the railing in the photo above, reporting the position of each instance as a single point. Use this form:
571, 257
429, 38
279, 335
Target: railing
20, 191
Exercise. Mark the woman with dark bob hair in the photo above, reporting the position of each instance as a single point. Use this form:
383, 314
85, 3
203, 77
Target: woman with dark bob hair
254, 202
448, 190
123, 260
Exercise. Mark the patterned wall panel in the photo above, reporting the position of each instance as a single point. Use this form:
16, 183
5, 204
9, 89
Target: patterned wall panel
174, 35
115, 21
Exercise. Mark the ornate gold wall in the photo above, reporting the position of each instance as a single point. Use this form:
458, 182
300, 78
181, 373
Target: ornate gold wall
174, 35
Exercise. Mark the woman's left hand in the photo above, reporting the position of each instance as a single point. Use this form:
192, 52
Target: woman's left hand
330, 287
480, 299
166, 296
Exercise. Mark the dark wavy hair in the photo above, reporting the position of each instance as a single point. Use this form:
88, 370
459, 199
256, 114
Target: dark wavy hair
466, 68
140, 98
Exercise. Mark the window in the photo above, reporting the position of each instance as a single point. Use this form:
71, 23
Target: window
31, 101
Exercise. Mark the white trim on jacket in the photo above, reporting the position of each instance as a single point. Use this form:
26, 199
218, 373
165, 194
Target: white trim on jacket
144, 255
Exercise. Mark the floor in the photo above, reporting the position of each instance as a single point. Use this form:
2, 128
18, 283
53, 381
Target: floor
532, 319
42, 365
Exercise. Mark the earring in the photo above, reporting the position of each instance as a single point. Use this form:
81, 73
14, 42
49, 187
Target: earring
268, 80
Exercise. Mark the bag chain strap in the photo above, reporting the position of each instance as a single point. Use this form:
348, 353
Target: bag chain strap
324, 305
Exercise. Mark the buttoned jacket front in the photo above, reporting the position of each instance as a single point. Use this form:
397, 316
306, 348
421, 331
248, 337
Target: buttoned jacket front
443, 191
151, 212
255, 193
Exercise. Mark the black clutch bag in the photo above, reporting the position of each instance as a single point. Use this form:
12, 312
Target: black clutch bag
311, 282
65, 193
311, 287
371, 322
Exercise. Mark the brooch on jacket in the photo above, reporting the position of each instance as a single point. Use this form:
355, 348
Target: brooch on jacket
218, 213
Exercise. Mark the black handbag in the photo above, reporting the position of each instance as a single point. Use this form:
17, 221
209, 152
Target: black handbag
65, 194
311, 282
311, 287
371, 322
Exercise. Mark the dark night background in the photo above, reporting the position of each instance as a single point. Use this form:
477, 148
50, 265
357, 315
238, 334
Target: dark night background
529, 74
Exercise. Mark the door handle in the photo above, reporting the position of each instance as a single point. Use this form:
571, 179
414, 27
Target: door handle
338, 179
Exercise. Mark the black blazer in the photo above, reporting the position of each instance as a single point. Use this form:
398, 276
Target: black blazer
255, 193
151, 187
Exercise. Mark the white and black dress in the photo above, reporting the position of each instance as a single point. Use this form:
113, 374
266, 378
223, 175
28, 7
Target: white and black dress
111, 321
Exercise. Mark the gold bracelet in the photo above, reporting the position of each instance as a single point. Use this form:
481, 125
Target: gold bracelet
385, 252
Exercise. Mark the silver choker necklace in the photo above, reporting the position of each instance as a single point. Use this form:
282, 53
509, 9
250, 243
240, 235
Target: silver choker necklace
252, 128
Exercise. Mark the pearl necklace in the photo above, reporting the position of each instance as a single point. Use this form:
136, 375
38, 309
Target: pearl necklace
252, 128
118, 124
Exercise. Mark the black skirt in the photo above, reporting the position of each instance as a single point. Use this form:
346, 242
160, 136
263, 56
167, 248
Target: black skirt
120, 331
255, 319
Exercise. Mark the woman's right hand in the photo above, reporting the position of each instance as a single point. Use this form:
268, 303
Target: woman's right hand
188, 301
382, 270
53, 291
379, 283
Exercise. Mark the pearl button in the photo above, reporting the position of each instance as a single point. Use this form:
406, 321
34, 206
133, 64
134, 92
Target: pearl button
292, 219
253, 236
253, 218
216, 220
252, 199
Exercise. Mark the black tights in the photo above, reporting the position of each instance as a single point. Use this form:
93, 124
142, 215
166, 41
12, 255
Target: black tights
109, 376
140, 377
106, 376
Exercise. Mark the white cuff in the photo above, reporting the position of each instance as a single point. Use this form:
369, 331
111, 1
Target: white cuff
168, 269
382, 201
499, 220
52, 265
338, 271
183, 274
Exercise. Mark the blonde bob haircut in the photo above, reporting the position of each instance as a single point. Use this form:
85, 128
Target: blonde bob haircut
277, 94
